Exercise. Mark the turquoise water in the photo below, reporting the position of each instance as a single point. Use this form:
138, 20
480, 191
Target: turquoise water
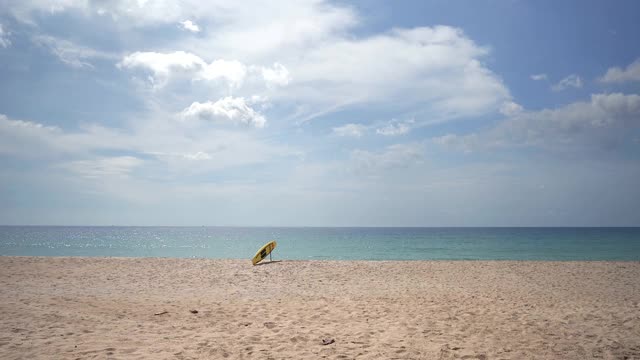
326, 243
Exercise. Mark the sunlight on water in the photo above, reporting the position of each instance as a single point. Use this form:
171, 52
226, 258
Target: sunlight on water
327, 243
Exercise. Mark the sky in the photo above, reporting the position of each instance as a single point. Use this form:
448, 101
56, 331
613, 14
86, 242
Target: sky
320, 113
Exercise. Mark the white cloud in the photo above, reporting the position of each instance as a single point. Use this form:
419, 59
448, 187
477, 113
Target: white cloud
435, 72
74, 55
190, 26
284, 28
572, 80
179, 63
276, 75
228, 109
539, 77
510, 108
146, 12
350, 130
163, 65
390, 128
619, 75
394, 128
282, 22
4, 38
604, 119
234, 72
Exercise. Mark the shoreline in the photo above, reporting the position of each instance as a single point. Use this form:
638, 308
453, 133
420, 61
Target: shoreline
101, 307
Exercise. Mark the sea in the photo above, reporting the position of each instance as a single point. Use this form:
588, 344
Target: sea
325, 243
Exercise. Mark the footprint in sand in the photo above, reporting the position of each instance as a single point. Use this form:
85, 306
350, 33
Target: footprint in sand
270, 325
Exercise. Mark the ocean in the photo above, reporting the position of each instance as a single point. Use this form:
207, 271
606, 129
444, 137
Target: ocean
325, 243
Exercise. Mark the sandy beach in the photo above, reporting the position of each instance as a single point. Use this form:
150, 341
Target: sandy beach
86, 308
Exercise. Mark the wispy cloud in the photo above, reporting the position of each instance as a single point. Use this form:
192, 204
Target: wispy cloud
71, 54
392, 157
571, 81
119, 166
169, 141
442, 77
539, 77
395, 128
350, 130
4, 37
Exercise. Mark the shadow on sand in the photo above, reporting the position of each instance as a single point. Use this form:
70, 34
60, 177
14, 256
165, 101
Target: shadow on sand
268, 262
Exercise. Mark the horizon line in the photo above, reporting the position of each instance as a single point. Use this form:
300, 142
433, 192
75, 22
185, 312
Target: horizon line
339, 226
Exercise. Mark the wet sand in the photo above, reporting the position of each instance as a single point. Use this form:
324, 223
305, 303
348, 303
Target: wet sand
86, 308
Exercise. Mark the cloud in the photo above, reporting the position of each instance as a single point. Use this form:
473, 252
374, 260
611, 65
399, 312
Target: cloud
167, 150
510, 108
454, 141
28, 139
284, 28
234, 72
4, 37
200, 155
350, 130
437, 73
277, 75
606, 118
392, 157
390, 128
572, 80
228, 109
69, 53
163, 65
281, 23
395, 128
190, 26
25, 138
619, 75
119, 166
433, 71
146, 12
539, 77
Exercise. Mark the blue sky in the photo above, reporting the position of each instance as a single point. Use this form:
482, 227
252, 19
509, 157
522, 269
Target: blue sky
320, 113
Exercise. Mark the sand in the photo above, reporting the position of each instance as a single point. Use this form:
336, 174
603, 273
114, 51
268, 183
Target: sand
86, 308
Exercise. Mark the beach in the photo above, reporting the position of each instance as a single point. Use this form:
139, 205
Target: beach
157, 308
